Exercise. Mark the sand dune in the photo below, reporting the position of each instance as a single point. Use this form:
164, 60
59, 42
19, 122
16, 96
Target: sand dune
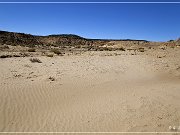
92, 92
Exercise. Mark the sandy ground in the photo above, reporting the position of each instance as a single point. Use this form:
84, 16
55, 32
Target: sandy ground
92, 92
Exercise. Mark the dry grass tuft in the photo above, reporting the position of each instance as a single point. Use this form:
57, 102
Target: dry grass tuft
31, 50
4, 47
51, 78
49, 55
5, 56
122, 49
56, 51
35, 60
141, 49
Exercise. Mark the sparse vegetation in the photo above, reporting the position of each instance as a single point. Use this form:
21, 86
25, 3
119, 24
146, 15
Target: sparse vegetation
11, 55
31, 50
121, 49
4, 47
16, 55
24, 54
56, 51
51, 78
78, 46
5, 56
141, 49
104, 49
110, 49
49, 55
43, 52
101, 49
159, 56
162, 47
35, 60
178, 68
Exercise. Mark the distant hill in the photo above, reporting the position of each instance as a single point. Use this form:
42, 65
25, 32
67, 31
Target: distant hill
14, 38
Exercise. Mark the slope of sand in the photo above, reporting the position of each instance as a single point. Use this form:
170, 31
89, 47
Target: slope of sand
94, 91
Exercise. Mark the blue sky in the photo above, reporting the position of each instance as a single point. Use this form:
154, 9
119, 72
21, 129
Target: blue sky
154, 22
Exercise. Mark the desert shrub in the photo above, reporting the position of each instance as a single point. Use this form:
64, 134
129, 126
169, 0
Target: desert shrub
141, 49
110, 44
178, 68
24, 54
43, 52
5, 56
9, 56
101, 49
121, 49
107, 49
16, 55
56, 51
31, 46
49, 55
110, 49
159, 56
51, 78
78, 46
4, 47
162, 47
31, 50
35, 60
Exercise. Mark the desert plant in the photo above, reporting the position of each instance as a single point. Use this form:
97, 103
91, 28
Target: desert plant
110, 49
56, 51
51, 78
5, 56
101, 49
31, 50
121, 49
24, 54
49, 55
78, 46
43, 52
141, 49
4, 47
35, 60
16, 55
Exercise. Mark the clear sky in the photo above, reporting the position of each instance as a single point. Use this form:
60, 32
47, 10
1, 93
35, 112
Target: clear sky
154, 22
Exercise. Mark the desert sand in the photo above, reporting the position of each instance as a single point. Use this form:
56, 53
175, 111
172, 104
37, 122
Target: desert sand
93, 91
